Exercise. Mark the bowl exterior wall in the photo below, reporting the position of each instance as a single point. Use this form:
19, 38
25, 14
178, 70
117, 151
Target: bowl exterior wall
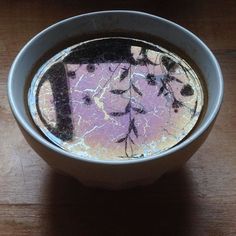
116, 176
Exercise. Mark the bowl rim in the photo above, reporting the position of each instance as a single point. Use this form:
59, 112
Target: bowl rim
35, 135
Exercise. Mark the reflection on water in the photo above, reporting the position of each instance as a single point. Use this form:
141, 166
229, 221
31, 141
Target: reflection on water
115, 98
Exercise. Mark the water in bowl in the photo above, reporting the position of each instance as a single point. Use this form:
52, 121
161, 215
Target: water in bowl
115, 98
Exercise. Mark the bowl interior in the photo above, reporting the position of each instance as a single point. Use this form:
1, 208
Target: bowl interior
114, 22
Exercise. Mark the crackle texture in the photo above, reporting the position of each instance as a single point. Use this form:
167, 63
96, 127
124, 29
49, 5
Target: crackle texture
115, 98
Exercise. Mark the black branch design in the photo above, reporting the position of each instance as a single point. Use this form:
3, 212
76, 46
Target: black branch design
166, 88
131, 110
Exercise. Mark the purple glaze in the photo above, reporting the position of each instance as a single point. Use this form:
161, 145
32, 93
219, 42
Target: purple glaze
117, 98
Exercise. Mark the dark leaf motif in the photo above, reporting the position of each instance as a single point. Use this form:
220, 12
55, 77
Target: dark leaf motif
71, 74
171, 78
151, 79
126, 153
176, 103
145, 61
161, 91
124, 74
166, 94
167, 78
117, 113
131, 140
128, 107
131, 60
131, 124
168, 63
143, 51
133, 127
121, 140
163, 81
137, 90
135, 131
187, 90
90, 68
179, 81
139, 110
194, 109
87, 100
118, 91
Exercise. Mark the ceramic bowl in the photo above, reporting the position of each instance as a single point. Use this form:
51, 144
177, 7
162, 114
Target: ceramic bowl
113, 174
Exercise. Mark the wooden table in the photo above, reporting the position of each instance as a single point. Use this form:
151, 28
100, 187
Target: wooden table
199, 199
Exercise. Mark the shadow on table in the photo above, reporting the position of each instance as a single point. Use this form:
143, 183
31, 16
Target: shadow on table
164, 208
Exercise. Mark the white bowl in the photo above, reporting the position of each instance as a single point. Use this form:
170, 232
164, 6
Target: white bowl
114, 174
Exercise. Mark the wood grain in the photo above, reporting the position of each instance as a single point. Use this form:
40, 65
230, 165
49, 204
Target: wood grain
198, 200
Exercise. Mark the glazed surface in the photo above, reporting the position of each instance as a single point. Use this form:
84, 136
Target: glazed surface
115, 98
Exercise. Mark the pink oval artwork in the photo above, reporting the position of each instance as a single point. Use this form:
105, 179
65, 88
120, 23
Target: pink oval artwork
115, 99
